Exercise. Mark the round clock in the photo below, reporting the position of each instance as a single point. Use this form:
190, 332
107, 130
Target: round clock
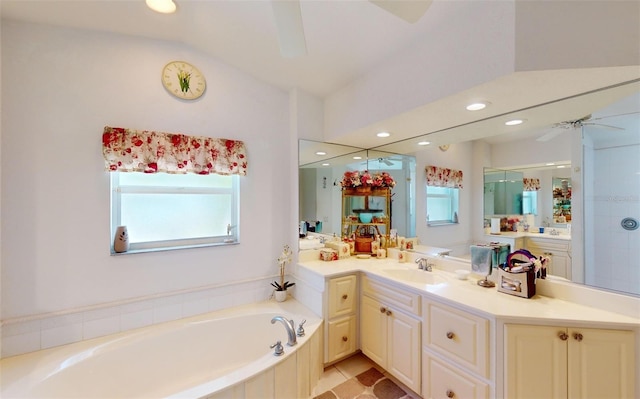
444, 147
183, 80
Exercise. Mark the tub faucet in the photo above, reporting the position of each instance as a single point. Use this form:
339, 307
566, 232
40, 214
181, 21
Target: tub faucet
289, 325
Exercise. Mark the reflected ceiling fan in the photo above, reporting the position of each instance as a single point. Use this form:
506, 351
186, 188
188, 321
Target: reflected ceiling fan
560, 127
289, 25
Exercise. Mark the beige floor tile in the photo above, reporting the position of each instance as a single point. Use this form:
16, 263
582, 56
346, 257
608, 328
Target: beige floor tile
329, 379
354, 365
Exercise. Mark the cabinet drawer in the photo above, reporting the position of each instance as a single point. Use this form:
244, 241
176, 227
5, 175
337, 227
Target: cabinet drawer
548, 244
403, 300
441, 381
342, 296
342, 338
459, 335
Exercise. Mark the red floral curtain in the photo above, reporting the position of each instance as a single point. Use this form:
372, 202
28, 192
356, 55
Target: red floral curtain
443, 177
531, 184
128, 150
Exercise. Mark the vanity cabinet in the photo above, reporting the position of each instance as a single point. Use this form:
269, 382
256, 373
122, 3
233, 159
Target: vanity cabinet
341, 315
559, 362
558, 252
390, 330
455, 355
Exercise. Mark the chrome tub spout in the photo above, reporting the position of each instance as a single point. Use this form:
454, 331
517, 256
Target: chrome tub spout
289, 325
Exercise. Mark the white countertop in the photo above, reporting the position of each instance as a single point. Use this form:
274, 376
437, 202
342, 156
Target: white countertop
467, 294
522, 234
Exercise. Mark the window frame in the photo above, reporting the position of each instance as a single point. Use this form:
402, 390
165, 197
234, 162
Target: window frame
454, 197
233, 231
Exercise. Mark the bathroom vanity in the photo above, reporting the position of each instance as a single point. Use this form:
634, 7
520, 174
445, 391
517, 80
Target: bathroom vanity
443, 337
556, 247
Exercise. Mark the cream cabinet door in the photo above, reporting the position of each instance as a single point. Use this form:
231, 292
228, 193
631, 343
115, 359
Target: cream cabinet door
535, 362
601, 363
404, 348
342, 337
443, 381
373, 330
342, 296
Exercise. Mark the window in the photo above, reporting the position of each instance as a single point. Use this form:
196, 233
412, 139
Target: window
442, 205
530, 202
167, 211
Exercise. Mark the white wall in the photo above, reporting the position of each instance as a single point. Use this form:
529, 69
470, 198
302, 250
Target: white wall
60, 88
455, 236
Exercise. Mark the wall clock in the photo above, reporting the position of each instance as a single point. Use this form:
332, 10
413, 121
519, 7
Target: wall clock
183, 80
444, 147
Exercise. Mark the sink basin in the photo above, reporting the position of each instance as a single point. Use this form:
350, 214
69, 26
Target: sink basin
415, 276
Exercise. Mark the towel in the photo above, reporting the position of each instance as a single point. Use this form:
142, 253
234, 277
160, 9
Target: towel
484, 257
481, 258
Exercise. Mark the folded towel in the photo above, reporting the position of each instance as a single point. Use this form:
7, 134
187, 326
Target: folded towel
481, 258
485, 257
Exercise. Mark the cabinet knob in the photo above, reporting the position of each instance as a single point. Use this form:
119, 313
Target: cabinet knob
450, 335
345, 296
450, 393
577, 336
389, 313
383, 309
563, 335
345, 338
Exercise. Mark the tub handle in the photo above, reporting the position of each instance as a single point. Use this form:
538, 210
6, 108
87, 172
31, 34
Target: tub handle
279, 350
300, 332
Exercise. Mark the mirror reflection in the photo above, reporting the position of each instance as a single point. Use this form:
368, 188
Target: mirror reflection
596, 156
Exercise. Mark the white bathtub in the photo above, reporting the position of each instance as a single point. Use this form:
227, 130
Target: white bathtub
190, 358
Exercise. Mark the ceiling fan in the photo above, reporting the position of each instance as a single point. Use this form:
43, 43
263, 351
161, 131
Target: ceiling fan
560, 127
288, 19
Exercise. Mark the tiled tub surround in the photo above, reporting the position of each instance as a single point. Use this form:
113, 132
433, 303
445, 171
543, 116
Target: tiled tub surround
28, 334
557, 305
217, 355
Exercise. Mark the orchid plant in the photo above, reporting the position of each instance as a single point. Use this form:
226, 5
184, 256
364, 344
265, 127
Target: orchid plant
283, 259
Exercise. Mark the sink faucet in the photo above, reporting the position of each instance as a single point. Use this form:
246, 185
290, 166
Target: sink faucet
289, 326
423, 264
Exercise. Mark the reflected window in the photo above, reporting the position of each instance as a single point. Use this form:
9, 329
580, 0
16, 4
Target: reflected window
442, 205
530, 202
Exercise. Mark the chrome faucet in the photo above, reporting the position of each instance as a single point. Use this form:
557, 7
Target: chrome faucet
423, 264
289, 325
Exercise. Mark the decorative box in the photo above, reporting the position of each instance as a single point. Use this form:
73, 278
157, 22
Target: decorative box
328, 254
521, 284
342, 248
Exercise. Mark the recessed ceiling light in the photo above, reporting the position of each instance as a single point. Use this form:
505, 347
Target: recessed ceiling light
424, 142
514, 122
560, 166
326, 164
478, 106
383, 134
162, 6
321, 153
550, 164
357, 157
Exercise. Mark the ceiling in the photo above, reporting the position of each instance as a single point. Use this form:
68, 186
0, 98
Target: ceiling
243, 33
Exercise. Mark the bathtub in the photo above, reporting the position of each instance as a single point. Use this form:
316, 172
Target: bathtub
218, 354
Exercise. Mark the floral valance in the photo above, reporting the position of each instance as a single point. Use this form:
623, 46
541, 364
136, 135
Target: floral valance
531, 184
443, 177
128, 150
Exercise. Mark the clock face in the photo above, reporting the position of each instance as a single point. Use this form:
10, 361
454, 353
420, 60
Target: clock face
183, 80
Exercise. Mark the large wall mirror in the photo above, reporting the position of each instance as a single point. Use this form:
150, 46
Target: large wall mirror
321, 168
600, 167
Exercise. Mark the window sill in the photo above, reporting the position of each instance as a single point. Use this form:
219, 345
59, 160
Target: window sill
149, 250
436, 224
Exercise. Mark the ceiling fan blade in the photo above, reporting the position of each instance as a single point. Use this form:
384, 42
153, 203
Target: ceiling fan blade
288, 20
409, 10
613, 116
603, 126
551, 134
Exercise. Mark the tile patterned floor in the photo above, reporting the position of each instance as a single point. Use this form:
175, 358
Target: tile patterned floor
343, 371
